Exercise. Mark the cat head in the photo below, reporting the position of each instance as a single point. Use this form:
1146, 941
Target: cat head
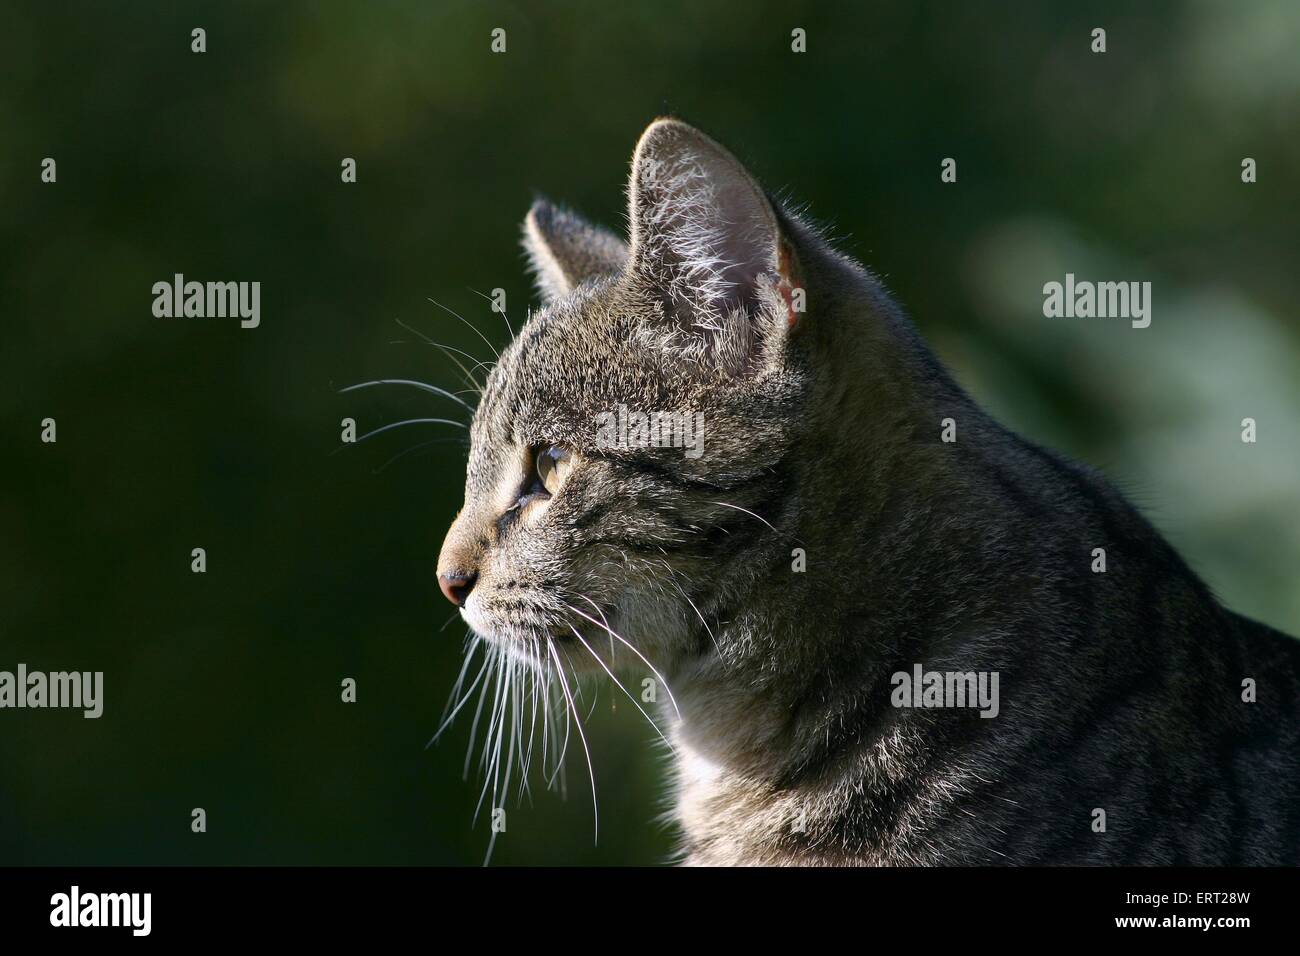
627, 457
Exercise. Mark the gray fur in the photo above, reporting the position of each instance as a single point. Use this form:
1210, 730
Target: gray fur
1119, 690
564, 250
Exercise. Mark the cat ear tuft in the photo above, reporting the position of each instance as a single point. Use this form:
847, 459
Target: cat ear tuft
704, 236
564, 249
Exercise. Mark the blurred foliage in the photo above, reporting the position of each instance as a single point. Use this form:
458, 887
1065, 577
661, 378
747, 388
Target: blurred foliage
223, 689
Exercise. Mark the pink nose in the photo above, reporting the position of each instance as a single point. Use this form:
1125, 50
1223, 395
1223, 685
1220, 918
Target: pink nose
456, 586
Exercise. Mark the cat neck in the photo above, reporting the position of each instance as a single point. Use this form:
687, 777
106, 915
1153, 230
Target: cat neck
847, 595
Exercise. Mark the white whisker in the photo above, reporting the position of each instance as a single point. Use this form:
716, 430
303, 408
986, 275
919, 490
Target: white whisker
503, 314
414, 448
448, 351
564, 684
619, 685
478, 712
449, 717
411, 421
687, 597
433, 389
746, 510
472, 326
628, 644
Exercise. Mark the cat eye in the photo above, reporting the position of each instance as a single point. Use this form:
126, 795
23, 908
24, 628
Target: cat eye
549, 465
553, 464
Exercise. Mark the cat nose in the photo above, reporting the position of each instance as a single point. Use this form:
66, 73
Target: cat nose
457, 585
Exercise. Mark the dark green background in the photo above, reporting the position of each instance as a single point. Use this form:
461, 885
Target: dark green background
222, 690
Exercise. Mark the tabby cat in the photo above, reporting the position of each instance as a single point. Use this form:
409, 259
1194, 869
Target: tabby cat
828, 543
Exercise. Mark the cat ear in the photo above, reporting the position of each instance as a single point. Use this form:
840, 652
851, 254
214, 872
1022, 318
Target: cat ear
705, 238
564, 249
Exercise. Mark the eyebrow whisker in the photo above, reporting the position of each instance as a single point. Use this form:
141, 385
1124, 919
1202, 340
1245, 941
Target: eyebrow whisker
472, 326
433, 389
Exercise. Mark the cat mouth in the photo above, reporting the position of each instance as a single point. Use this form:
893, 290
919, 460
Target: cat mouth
587, 646
557, 617
526, 633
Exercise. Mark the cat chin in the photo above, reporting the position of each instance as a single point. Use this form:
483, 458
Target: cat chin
533, 646
504, 637
507, 637
471, 615
590, 651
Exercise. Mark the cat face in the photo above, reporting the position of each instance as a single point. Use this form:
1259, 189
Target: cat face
630, 434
